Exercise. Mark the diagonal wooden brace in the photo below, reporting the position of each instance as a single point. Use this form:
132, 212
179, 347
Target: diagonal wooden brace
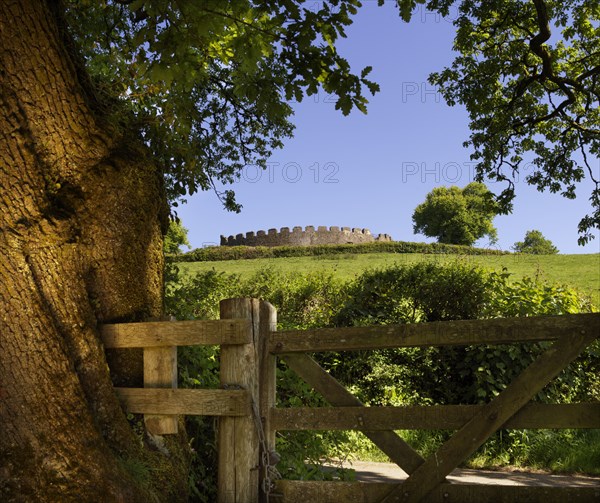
476, 431
389, 442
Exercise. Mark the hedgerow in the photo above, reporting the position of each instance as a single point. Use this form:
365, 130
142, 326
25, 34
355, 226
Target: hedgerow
215, 253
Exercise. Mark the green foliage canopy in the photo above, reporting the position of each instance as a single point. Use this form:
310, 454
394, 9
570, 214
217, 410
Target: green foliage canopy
535, 243
175, 238
207, 84
457, 216
528, 74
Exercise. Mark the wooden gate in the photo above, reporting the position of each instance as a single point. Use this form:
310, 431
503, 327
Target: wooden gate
474, 423
250, 346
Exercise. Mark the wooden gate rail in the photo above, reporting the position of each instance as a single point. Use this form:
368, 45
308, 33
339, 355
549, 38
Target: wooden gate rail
180, 333
432, 417
474, 424
185, 402
437, 333
337, 395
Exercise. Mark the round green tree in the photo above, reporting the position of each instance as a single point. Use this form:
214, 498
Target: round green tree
457, 216
535, 243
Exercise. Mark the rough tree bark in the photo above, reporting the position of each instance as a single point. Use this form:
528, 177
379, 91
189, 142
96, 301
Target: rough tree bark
81, 216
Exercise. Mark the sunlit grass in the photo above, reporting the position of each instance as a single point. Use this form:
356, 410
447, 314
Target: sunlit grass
559, 451
579, 271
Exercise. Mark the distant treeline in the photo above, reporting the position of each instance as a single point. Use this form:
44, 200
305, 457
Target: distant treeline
214, 253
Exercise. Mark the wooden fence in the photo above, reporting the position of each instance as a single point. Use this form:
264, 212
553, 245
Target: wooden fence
242, 330
250, 346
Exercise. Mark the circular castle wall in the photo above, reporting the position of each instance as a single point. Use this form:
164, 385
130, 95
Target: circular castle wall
304, 237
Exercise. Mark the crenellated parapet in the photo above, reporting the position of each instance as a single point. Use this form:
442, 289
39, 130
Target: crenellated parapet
304, 237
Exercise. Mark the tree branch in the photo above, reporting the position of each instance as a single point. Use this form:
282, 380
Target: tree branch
537, 43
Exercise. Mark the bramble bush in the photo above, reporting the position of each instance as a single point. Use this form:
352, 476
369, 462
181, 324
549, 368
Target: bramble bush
399, 294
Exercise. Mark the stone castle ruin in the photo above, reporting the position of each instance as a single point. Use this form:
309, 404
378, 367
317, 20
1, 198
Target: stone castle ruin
304, 237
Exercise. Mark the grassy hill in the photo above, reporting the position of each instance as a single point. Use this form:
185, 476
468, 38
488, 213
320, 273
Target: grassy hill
579, 271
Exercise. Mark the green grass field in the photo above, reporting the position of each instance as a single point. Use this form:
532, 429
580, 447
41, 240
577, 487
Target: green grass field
579, 271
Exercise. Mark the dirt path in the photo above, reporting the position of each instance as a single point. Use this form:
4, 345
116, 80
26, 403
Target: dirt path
389, 472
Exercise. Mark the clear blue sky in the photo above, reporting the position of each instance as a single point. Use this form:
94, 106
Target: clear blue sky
371, 171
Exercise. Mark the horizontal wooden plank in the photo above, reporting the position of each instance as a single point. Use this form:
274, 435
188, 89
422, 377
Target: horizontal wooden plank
177, 333
444, 333
300, 491
434, 417
189, 402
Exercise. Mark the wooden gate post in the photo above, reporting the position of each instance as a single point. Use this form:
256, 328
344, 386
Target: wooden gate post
160, 371
238, 439
267, 367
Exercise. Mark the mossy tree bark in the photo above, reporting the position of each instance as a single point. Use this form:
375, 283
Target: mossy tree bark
81, 218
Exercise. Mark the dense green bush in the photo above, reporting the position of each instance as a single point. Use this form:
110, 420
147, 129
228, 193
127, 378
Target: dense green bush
408, 294
214, 253
450, 375
529, 297
302, 300
400, 294
411, 294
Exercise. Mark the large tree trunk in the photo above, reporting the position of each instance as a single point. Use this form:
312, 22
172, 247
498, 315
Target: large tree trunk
80, 243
